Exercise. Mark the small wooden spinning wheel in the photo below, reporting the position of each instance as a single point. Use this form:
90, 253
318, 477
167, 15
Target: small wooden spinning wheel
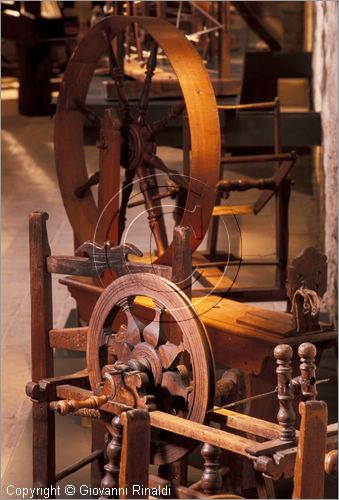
137, 153
164, 364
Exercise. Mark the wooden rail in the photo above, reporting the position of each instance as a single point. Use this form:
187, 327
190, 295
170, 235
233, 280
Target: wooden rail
200, 432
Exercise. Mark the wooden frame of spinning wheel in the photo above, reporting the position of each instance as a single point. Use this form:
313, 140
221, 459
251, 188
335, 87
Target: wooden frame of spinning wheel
46, 388
202, 114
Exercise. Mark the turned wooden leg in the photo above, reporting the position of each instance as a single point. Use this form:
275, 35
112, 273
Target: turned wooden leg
175, 472
286, 416
211, 479
112, 468
98, 442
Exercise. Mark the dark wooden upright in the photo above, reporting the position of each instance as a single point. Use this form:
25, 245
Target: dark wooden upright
182, 259
135, 455
309, 472
42, 353
109, 165
181, 275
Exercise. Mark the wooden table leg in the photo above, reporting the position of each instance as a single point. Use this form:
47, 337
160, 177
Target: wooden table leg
43, 447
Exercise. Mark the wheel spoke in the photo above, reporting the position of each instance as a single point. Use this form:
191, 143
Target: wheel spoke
92, 181
149, 189
172, 113
118, 78
157, 163
144, 98
169, 354
172, 382
153, 333
91, 117
134, 326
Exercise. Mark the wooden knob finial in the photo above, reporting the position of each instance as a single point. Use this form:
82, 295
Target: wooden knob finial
307, 353
283, 352
331, 463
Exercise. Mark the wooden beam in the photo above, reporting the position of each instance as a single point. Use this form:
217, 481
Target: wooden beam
246, 423
74, 339
200, 432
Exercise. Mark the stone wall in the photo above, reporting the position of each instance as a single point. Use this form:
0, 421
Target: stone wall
325, 91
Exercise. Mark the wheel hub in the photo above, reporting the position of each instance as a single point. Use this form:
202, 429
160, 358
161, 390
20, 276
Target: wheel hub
136, 145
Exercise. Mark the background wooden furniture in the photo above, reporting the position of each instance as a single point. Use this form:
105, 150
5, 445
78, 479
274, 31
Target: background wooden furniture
278, 187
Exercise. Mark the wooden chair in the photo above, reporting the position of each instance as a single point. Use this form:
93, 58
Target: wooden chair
278, 186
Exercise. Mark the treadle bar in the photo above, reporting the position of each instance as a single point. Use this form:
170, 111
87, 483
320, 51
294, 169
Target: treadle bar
236, 262
254, 105
259, 158
95, 455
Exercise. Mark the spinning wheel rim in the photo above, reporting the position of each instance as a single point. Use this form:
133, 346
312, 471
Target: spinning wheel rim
194, 338
203, 123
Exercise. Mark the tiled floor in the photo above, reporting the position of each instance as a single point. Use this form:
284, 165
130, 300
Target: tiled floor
29, 183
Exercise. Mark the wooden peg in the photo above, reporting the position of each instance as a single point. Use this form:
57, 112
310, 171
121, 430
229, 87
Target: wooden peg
72, 405
307, 353
286, 416
211, 479
112, 468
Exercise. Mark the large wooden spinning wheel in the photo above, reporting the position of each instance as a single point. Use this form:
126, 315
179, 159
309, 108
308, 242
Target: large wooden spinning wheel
170, 349
138, 137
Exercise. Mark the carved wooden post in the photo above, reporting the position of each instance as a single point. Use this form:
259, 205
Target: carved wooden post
112, 468
109, 167
135, 455
211, 479
286, 416
309, 465
182, 261
306, 284
41, 352
107, 228
181, 275
307, 353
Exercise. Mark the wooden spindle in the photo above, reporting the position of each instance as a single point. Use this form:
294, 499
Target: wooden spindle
307, 353
144, 98
112, 468
211, 479
286, 416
